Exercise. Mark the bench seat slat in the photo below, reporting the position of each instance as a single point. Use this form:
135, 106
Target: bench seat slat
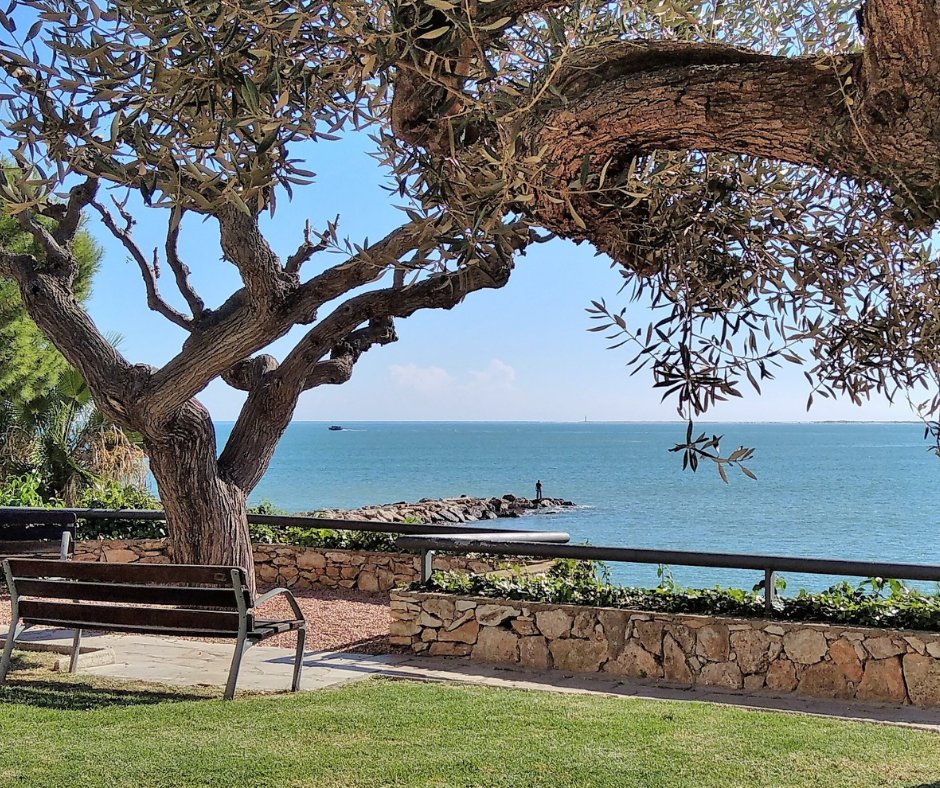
142, 574
267, 628
57, 615
133, 594
37, 556
143, 618
260, 632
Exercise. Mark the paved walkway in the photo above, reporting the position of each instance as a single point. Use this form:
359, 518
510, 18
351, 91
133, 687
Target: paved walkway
187, 663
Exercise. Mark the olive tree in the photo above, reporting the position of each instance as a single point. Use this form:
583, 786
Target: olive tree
764, 174
196, 106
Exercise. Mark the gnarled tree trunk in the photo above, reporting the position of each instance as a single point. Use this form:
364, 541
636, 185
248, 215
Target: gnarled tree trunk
206, 515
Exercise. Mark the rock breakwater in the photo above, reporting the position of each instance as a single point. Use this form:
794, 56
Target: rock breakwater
463, 509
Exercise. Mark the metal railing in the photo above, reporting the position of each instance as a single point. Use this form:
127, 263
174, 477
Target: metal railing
491, 534
768, 564
487, 532
427, 539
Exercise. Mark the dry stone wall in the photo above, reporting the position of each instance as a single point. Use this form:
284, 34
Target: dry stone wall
818, 660
306, 567
298, 567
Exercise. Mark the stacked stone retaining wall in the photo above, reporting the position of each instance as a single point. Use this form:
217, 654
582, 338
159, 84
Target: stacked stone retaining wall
818, 660
299, 567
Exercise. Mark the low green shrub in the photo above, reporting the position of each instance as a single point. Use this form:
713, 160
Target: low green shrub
874, 603
325, 538
267, 507
24, 490
114, 495
330, 538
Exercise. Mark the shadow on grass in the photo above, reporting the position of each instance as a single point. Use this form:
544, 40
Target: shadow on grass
32, 683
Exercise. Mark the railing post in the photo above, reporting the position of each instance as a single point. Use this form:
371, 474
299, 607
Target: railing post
771, 601
427, 560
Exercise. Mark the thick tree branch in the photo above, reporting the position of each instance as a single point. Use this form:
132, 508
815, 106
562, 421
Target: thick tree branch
234, 331
344, 355
68, 215
59, 259
902, 41
247, 374
631, 97
899, 109
180, 269
269, 407
18, 267
147, 270
266, 282
776, 108
51, 303
439, 291
740, 101
369, 265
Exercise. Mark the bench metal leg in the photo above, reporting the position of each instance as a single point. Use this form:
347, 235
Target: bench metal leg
16, 629
298, 659
240, 648
76, 647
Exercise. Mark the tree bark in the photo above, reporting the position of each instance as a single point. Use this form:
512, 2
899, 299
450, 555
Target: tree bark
776, 108
871, 116
205, 513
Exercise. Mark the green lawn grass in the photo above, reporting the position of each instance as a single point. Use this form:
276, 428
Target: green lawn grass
75, 731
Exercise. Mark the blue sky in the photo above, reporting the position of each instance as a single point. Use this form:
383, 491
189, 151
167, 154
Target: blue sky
519, 353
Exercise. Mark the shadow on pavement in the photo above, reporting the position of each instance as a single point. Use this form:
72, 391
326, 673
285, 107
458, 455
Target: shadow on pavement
28, 684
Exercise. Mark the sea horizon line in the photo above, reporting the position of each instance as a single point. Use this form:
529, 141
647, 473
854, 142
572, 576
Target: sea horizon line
587, 421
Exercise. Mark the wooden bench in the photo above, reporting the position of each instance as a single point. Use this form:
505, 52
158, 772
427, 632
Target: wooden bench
37, 533
152, 599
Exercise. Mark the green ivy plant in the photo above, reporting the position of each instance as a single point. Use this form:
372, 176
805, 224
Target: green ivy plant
875, 602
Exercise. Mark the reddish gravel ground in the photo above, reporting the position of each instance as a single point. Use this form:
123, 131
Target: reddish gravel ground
336, 620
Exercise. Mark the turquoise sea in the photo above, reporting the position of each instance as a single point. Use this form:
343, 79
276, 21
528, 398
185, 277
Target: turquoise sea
837, 490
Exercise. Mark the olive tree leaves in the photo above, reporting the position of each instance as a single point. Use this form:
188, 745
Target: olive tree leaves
193, 104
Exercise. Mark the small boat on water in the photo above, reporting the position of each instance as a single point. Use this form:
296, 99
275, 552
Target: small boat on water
335, 427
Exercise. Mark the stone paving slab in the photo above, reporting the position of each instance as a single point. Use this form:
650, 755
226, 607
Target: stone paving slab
267, 669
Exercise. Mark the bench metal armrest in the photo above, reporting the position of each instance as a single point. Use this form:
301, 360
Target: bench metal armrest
291, 600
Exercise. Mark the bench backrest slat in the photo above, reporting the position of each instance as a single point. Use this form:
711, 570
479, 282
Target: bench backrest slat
204, 621
205, 600
37, 533
132, 574
11, 533
13, 517
219, 598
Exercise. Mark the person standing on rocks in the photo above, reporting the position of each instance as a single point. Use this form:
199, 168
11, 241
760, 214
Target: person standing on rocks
538, 490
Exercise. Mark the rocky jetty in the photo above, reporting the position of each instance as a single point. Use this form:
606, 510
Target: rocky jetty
446, 510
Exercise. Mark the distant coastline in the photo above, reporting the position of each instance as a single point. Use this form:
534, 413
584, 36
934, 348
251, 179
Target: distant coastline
588, 422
